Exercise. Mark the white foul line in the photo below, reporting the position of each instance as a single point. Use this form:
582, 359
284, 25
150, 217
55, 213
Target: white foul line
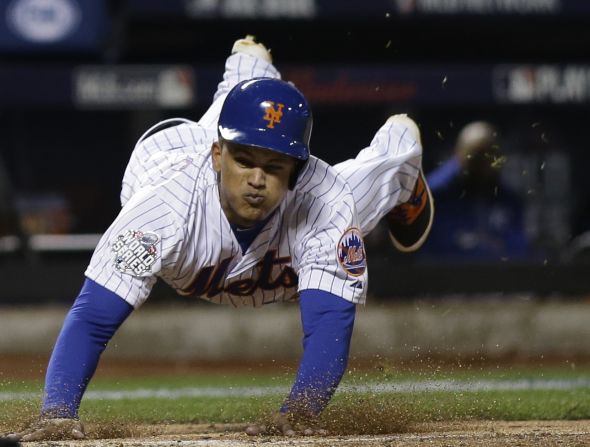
379, 388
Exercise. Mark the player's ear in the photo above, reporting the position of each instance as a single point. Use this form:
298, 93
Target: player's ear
216, 156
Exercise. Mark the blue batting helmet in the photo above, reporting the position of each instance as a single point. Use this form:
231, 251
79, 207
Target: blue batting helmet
267, 113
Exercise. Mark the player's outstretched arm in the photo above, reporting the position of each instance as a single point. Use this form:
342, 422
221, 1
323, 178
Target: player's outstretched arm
91, 322
328, 322
249, 59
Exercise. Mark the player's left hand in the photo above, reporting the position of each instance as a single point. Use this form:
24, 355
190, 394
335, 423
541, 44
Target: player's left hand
285, 425
50, 429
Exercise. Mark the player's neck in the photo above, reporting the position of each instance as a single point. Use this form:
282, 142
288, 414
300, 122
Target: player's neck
246, 236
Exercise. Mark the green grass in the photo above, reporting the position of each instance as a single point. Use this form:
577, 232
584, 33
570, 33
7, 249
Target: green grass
439, 405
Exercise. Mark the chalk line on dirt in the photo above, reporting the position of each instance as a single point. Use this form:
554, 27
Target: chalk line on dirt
379, 388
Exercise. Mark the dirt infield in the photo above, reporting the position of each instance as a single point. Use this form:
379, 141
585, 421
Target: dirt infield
465, 434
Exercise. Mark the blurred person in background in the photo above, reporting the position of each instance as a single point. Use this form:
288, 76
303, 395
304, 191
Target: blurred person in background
479, 216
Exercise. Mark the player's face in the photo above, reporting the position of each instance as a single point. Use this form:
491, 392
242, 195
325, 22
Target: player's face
252, 181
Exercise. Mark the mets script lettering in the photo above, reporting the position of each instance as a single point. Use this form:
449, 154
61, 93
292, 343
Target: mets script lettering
209, 280
273, 115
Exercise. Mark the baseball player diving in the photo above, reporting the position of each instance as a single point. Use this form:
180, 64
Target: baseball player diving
234, 209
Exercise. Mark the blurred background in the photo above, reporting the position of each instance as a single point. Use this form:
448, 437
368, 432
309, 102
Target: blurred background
499, 88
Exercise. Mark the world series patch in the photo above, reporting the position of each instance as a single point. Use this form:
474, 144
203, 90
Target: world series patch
136, 252
351, 252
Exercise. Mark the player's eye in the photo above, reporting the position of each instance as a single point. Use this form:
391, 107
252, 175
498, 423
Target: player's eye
244, 163
275, 168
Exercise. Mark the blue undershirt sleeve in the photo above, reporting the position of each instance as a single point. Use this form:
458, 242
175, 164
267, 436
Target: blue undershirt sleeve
91, 322
327, 321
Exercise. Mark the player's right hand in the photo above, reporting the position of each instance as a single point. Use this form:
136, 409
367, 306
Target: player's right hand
50, 429
286, 425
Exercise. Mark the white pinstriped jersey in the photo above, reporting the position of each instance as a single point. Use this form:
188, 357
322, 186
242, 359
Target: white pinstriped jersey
172, 225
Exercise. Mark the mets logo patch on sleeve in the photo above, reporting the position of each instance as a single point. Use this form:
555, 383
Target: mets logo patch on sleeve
351, 252
136, 252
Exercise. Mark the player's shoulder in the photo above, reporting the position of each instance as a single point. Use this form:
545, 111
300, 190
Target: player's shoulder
321, 181
320, 194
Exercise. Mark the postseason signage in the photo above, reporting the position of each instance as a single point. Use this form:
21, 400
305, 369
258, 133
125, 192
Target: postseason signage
175, 86
133, 86
52, 24
556, 84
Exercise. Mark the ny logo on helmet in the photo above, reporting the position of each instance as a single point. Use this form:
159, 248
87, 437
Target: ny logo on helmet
273, 115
